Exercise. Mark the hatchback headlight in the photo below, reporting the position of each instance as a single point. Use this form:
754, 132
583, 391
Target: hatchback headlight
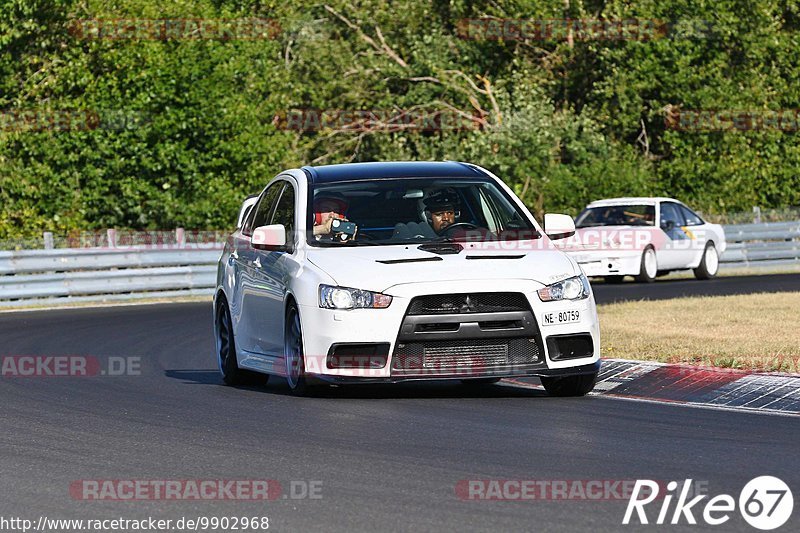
576, 288
331, 297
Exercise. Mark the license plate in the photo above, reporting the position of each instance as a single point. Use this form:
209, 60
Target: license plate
560, 317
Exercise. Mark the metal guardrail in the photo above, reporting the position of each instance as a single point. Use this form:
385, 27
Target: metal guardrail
760, 245
67, 275
90, 274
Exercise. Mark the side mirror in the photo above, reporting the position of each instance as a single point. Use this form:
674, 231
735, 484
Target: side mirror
272, 237
244, 211
558, 226
667, 225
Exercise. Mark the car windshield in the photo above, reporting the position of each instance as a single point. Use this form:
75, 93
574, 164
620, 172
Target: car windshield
617, 215
412, 210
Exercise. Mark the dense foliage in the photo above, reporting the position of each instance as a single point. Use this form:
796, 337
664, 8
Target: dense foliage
158, 133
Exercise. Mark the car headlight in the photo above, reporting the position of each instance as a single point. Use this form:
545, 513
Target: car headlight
576, 288
345, 298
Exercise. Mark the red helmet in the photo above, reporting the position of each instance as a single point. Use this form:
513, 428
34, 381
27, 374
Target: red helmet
333, 197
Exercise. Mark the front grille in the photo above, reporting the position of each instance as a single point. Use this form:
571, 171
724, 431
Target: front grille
455, 356
452, 356
448, 304
482, 333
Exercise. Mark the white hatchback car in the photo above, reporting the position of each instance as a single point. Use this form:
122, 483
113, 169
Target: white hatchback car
386, 272
644, 238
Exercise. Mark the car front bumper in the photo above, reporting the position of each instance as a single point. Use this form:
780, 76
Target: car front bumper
590, 368
469, 351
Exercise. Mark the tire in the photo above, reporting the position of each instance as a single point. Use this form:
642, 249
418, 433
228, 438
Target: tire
480, 381
293, 350
648, 266
613, 280
579, 385
709, 264
226, 352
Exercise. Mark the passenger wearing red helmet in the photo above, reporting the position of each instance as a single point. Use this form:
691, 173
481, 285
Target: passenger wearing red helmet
327, 208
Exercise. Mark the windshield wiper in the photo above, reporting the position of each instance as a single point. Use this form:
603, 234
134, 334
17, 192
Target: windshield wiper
409, 260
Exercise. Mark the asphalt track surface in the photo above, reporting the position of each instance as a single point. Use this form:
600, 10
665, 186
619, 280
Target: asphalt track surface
667, 288
388, 458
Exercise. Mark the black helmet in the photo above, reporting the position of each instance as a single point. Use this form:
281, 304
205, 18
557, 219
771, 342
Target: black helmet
442, 199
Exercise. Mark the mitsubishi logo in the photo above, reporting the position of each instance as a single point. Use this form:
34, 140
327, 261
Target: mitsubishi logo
468, 306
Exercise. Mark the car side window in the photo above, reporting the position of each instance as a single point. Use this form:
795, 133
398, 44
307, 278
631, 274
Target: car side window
669, 212
263, 210
284, 214
692, 219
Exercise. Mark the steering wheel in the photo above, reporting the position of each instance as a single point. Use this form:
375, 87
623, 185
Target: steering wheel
465, 225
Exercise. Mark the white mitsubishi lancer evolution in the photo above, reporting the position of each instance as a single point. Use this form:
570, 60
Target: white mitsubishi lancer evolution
388, 272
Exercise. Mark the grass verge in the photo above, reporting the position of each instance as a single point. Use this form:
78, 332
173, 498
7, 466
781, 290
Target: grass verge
753, 331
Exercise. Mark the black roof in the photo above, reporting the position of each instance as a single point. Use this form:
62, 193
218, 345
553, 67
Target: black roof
395, 169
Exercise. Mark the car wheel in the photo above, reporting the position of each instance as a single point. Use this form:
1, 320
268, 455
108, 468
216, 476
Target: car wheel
613, 279
226, 353
293, 348
480, 381
569, 385
709, 265
648, 269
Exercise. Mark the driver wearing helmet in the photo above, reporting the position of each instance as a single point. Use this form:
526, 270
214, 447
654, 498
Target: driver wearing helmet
442, 209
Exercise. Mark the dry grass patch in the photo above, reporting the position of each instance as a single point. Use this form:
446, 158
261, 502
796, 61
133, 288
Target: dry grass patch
753, 331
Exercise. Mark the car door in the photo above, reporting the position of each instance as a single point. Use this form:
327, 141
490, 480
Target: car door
247, 327
696, 229
678, 249
272, 272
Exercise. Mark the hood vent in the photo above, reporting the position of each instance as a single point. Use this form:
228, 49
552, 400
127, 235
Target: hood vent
441, 248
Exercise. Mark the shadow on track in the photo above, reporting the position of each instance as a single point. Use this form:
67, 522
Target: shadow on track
428, 389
